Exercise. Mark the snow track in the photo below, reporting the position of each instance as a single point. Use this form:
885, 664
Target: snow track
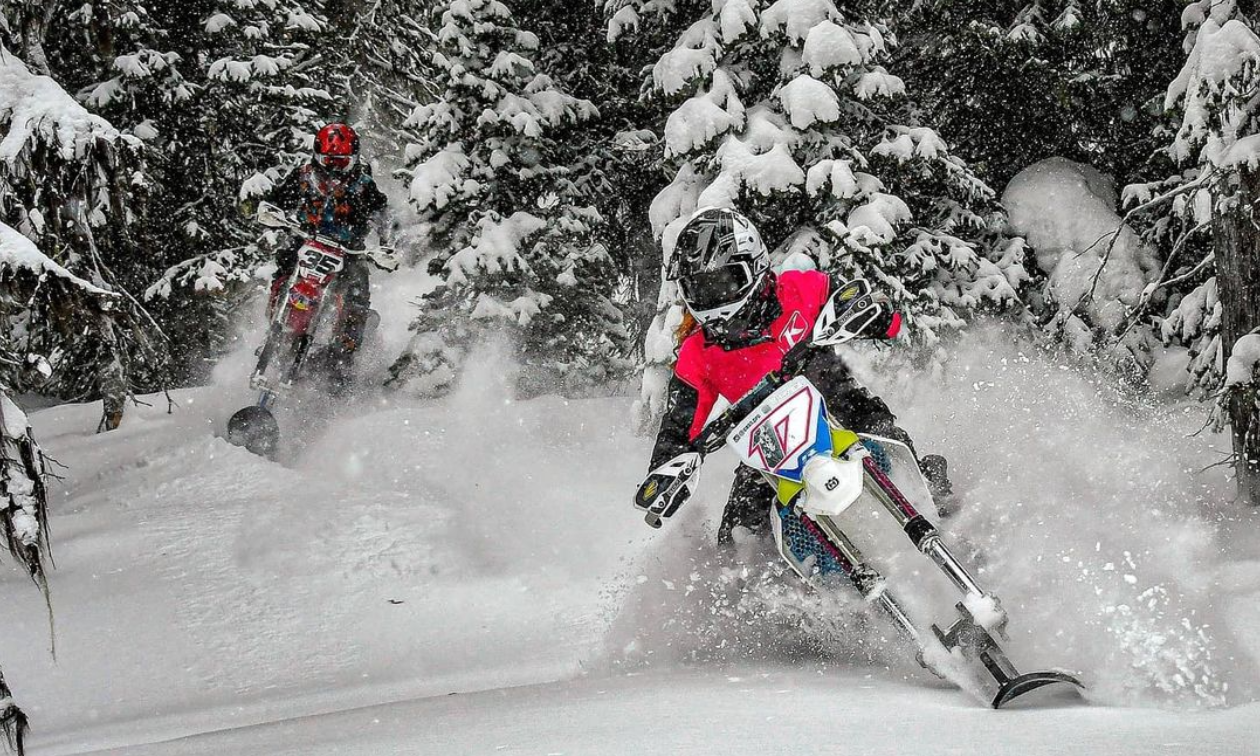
209, 601
747, 712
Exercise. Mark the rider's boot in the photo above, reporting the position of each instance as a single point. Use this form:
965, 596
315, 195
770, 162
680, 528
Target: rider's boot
745, 514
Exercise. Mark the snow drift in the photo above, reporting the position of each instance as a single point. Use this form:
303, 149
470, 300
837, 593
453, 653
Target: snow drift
1096, 265
414, 549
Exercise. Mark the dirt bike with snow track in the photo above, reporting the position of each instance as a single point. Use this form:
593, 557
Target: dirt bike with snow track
824, 476
304, 318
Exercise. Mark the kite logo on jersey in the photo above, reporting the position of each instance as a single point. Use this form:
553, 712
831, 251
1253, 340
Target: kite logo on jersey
793, 333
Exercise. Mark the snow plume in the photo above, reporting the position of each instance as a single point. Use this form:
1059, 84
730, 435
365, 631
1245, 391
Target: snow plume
688, 601
1109, 545
1096, 266
1110, 550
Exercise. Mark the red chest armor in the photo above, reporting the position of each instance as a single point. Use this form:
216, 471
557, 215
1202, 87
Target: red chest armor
715, 372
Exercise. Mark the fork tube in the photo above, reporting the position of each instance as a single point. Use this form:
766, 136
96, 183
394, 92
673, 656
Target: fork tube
924, 535
865, 578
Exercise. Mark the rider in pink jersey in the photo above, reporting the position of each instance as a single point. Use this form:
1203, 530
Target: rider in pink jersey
746, 319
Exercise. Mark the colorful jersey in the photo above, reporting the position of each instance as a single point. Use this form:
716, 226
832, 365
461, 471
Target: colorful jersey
339, 205
715, 372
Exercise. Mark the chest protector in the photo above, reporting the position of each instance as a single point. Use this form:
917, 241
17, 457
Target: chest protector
331, 203
715, 372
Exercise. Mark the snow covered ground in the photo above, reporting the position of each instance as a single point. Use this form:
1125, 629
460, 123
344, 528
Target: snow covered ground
211, 602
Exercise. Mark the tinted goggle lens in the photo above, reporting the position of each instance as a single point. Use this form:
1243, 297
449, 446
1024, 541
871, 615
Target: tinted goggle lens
336, 161
710, 289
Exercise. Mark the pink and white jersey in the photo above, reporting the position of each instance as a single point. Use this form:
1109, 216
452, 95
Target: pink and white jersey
715, 372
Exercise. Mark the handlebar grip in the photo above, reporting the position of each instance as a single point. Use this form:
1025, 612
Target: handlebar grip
653, 520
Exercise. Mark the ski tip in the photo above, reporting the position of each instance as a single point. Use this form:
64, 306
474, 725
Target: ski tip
1055, 684
255, 429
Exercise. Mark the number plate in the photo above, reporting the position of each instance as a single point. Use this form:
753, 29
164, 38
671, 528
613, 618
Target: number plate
319, 261
784, 431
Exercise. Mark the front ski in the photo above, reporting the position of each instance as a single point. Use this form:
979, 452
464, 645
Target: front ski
976, 642
816, 544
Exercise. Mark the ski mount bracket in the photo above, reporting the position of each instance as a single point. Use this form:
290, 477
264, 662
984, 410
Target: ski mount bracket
976, 642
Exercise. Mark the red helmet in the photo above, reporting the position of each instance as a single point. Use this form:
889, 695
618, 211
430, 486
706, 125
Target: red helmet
337, 146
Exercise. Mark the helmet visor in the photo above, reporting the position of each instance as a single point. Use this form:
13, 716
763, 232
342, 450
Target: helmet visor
336, 162
710, 289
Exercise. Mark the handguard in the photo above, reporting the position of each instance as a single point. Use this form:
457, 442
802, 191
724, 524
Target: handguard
384, 259
848, 312
668, 487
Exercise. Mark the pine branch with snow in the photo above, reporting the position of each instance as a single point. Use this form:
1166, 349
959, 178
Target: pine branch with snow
13, 723
495, 182
23, 496
63, 198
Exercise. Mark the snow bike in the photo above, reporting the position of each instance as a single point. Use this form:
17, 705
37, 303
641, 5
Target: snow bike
820, 471
304, 316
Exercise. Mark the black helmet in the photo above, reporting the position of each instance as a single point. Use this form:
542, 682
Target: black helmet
720, 264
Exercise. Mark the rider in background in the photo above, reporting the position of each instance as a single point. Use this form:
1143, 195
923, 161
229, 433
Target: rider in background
741, 319
335, 196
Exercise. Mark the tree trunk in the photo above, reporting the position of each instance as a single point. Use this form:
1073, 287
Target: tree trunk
111, 375
1237, 244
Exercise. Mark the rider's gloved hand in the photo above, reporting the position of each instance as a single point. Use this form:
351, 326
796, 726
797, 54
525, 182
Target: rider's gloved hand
668, 487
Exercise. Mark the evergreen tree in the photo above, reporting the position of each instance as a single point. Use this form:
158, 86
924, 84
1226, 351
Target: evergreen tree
1010, 84
617, 166
787, 112
494, 180
63, 185
1219, 144
377, 55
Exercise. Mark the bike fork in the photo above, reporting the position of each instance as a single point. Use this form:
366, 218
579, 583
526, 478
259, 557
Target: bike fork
869, 583
923, 534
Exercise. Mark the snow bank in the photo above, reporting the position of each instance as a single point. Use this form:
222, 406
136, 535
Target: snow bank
1067, 212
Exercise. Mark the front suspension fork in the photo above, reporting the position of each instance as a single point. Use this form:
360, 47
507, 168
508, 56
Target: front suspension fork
923, 534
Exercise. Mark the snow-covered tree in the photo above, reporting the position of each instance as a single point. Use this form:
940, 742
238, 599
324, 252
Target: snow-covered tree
1010, 84
618, 153
493, 179
63, 186
379, 65
1218, 142
1094, 266
787, 111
